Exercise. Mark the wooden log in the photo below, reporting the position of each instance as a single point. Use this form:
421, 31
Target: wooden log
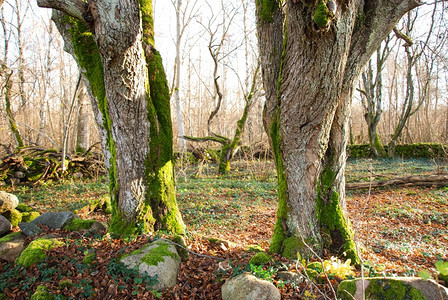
425, 181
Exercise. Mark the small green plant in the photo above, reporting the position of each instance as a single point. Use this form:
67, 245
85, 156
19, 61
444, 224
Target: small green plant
260, 272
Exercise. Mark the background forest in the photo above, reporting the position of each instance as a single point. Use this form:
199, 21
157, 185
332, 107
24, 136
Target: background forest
210, 55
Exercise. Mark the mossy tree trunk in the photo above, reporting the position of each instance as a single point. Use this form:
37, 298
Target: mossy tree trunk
113, 44
11, 119
311, 58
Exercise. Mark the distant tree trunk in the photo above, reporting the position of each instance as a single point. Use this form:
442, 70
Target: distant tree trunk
7, 74
372, 98
113, 42
309, 68
83, 128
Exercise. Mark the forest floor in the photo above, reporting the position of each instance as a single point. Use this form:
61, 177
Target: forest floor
401, 231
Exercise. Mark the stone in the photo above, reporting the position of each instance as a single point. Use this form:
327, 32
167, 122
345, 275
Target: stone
30, 229
5, 226
42, 293
160, 259
397, 288
19, 174
248, 287
7, 201
54, 220
88, 227
260, 259
11, 246
77, 175
292, 277
37, 251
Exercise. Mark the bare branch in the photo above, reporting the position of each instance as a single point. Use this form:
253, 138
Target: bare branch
74, 8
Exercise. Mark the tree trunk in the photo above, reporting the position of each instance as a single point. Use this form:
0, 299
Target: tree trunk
309, 83
83, 128
126, 78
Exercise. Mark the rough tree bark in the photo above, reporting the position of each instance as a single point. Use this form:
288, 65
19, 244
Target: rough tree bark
83, 126
113, 43
311, 55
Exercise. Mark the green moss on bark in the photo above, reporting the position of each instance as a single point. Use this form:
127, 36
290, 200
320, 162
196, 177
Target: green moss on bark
335, 229
280, 230
159, 161
266, 9
321, 15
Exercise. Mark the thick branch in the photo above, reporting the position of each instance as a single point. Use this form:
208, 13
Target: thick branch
74, 8
219, 139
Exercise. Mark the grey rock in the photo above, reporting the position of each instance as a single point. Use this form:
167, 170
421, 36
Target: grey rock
290, 277
30, 229
167, 262
11, 246
77, 175
54, 220
19, 174
429, 288
7, 201
248, 287
5, 226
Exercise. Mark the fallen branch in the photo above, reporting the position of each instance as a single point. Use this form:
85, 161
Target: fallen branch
426, 181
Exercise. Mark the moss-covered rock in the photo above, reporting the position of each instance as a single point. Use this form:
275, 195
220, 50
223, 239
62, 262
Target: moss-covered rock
42, 293
260, 259
77, 224
29, 216
24, 208
254, 248
391, 288
160, 259
36, 251
14, 216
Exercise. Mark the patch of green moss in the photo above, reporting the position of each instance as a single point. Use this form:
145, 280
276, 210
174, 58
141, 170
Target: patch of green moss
321, 15
254, 248
392, 289
65, 284
9, 237
89, 258
23, 208
280, 232
156, 255
35, 252
29, 216
260, 259
291, 246
77, 224
42, 293
3, 297
159, 168
336, 230
183, 252
14, 216
266, 9
346, 290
